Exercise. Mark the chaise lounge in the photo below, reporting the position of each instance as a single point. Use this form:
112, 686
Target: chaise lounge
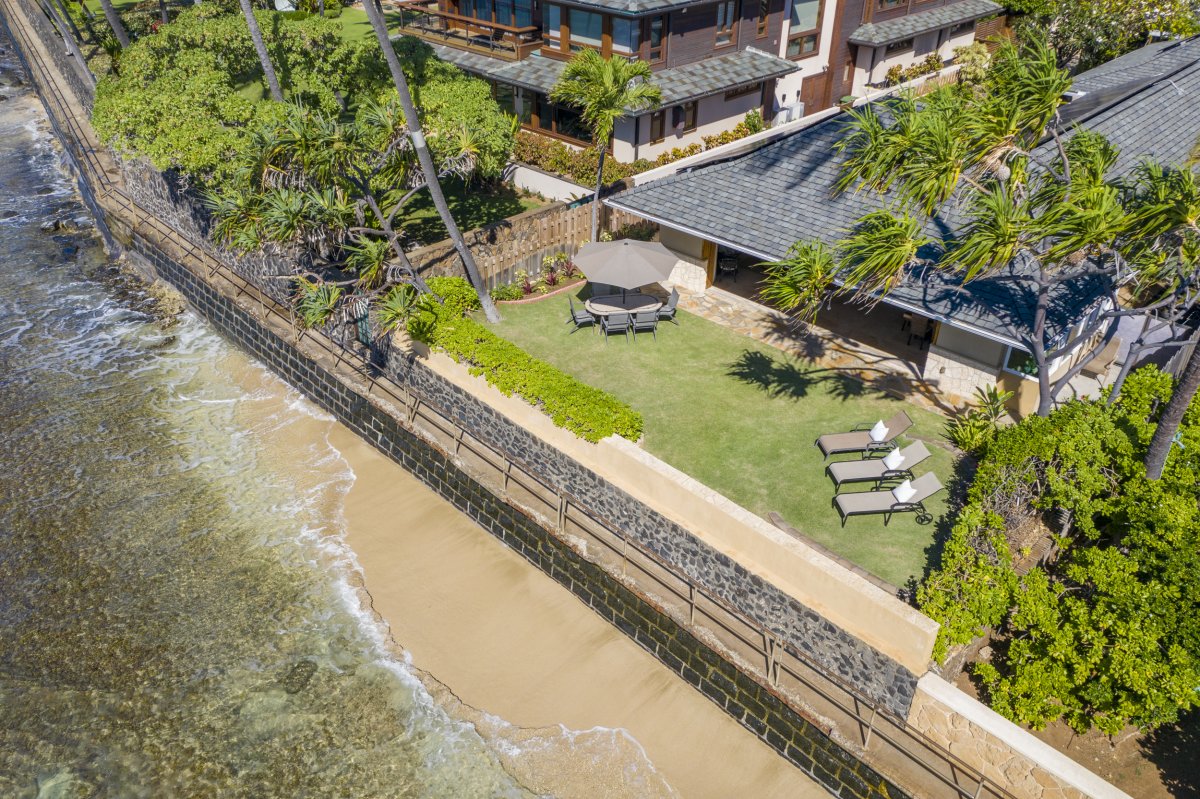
896, 466
888, 501
859, 438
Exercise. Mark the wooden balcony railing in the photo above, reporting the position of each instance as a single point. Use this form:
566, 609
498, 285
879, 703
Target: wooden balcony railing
423, 19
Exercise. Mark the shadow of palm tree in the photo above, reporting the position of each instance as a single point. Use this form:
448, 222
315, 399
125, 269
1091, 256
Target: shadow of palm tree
790, 380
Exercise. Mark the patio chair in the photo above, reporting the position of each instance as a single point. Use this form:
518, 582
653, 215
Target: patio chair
667, 312
885, 501
645, 320
616, 323
875, 470
580, 319
859, 437
727, 265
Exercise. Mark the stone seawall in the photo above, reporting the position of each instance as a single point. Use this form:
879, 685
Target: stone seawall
754, 706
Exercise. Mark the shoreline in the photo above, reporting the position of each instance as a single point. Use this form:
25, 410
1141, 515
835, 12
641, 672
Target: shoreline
570, 704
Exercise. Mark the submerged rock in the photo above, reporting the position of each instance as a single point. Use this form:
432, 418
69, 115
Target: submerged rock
298, 676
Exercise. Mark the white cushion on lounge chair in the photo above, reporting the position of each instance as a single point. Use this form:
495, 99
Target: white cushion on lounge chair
878, 432
904, 492
894, 459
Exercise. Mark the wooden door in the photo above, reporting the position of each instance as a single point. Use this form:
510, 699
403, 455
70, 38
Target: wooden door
814, 92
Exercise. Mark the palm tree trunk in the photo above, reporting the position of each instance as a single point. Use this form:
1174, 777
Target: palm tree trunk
375, 14
70, 35
321, 7
261, 48
596, 199
162, 11
1168, 423
114, 22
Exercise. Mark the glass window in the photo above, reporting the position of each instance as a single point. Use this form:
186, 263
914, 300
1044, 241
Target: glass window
764, 16
689, 116
586, 28
626, 35
657, 38
553, 21
805, 16
506, 97
523, 13
802, 45
962, 27
884, 5
504, 12
900, 46
482, 9
726, 20
657, 125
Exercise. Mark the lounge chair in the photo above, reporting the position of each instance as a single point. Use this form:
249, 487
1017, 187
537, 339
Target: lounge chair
859, 437
580, 319
884, 501
645, 320
874, 470
615, 323
667, 312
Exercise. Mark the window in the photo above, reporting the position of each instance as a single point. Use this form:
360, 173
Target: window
899, 47
656, 38
684, 117
553, 22
727, 12
626, 36
560, 121
884, 5
764, 16
586, 28
962, 27
798, 46
657, 125
742, 91
804, 28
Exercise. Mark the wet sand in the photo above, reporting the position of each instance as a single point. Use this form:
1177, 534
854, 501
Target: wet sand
508, 641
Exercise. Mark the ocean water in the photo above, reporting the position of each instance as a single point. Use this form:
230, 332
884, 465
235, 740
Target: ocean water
176, 609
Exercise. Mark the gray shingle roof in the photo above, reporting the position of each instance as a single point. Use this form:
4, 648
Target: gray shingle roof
763, 201
678, 84
875, 34
1109, 82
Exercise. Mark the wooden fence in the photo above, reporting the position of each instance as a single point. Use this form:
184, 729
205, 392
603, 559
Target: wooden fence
520, 242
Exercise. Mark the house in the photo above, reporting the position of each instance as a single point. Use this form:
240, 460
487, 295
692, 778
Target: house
755, 205
714, 61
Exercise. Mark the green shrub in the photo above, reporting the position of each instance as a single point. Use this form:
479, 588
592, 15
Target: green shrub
455, 295
587, 412
508, 291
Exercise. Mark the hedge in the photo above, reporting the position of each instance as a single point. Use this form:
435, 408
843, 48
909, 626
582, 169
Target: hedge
587, 412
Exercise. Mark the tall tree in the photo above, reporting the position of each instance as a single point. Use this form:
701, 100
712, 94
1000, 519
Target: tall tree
425, 160
114, 22
261, 48
605, 90
1038, 220
1172, 417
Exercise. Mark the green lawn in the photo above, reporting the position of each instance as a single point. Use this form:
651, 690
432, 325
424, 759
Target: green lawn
472, 207
741, 417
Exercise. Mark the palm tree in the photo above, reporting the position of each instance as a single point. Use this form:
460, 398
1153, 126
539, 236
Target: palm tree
114, 22
261, 48
605, 90
1172, 416
425, 159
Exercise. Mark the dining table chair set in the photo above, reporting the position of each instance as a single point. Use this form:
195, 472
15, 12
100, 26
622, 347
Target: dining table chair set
626, 313
889, 469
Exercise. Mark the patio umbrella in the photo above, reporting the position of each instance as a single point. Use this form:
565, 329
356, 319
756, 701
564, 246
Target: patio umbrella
626, 264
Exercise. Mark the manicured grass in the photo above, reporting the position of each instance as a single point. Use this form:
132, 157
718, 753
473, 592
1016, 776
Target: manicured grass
741, 417
472, 206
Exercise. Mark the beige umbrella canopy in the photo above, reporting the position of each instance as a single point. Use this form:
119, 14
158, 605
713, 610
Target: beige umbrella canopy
626, 264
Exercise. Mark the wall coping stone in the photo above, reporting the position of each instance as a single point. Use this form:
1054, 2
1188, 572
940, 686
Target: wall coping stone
1018, 740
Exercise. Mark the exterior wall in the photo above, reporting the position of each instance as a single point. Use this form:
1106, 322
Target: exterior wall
1005, 754
713, 115
872, 64
958, 362
787, 88
691, 272
552, 187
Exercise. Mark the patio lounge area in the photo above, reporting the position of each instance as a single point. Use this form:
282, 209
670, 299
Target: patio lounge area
742, 417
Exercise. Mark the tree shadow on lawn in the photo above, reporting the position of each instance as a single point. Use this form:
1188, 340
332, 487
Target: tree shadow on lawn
472, 206
791, 381
1173, 749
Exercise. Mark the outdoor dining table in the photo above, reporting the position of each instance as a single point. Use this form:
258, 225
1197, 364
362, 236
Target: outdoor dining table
615, 303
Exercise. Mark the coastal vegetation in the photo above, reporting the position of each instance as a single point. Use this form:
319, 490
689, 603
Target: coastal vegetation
1101, 632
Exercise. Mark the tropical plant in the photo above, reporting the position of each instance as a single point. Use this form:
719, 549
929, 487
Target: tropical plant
973, 60
396, 307
605, 90
315, 301
260, 48
1061, 215
428, 170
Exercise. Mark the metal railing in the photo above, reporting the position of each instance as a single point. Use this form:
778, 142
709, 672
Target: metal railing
424, 19
882, 733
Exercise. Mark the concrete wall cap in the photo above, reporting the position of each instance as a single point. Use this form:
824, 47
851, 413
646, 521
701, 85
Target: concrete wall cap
1017, 739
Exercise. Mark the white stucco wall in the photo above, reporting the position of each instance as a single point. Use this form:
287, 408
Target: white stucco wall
552, 187
787, 88
871, 65
713, 115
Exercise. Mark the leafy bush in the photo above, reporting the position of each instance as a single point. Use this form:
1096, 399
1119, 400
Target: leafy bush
1106, 635
587, 412
396, 307
315, 301
507, 291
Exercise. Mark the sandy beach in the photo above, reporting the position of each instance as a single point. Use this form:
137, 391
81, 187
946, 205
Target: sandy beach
585, 711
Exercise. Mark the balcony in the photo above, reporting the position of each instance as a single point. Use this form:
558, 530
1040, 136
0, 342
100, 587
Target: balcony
423, 19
